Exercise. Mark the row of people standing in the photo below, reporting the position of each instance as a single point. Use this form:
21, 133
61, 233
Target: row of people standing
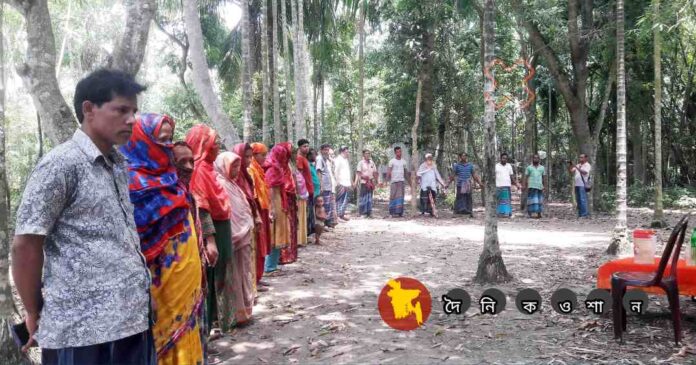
132, 254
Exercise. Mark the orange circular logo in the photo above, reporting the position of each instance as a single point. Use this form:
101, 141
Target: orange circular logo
404, 303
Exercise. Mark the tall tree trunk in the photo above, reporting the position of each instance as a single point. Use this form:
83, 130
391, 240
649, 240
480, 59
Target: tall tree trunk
529, 147
130, 50
265, 127
288, 76
442, 127
491, 268
361, 71
637, 149
315, 105
414, 147
66, 35
300, 130
247, 66
596, 194
619, 243
573, 89
321, 122
278, 135
201, 77
39, 71
658, 218
427, 109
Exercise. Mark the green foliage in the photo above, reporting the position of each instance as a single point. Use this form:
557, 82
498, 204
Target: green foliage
640, 196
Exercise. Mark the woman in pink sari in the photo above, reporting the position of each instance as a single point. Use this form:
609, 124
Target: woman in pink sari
227, 168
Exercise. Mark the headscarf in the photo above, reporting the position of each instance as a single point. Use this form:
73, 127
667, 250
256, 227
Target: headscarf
161, 207
205, 188
244, 180
242, 218
258, 175
278, 173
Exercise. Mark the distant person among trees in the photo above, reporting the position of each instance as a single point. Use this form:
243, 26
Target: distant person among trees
312, 158
504, 179
534, 183
583, 184
396, 174
344, 181
367, 172
463, 171
428, 179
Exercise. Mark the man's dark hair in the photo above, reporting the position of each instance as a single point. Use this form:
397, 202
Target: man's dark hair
365, 151
343, 149
397, 148
463, 154
504, 154
311, 151
325, 146
102, 86
302, 142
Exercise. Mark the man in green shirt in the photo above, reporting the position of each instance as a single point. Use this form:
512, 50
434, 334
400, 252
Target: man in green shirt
535, 187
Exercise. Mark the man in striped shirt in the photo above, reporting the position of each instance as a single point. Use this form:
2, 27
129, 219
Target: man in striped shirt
464, 172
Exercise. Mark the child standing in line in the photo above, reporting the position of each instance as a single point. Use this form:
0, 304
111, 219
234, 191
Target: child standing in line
320, 217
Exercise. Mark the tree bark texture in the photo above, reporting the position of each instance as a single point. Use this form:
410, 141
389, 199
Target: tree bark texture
491, 268
619, 244
130, 50
361, 71
38, 71
415, 190
247, 66
288, 76
278, 135
265, 74
658, 217
201, 77
300, 130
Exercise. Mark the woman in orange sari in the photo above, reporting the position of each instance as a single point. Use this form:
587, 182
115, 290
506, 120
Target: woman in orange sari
228, 170
263, 202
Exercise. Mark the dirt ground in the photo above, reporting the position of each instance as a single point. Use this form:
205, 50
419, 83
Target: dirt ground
323, 308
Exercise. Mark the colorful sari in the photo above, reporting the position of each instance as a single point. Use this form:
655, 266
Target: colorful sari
160, 206
279, 179
242, 222
302, 199
170, 245
263, 202
212, 198
504, 196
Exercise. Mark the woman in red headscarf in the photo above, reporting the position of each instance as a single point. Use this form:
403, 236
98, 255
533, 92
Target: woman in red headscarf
280, 181
215, 212
263, 202
288, 255
168, 240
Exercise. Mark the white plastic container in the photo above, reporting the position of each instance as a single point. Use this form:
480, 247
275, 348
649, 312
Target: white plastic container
644, 246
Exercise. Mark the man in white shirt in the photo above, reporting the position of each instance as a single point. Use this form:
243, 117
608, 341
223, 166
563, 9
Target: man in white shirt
504, 179
397, 189
367, 171
583, 184
345, 184
325, 169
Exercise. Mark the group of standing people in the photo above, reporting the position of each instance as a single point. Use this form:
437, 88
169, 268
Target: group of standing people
131, 247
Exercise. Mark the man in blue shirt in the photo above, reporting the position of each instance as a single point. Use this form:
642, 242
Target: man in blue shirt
464, 171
